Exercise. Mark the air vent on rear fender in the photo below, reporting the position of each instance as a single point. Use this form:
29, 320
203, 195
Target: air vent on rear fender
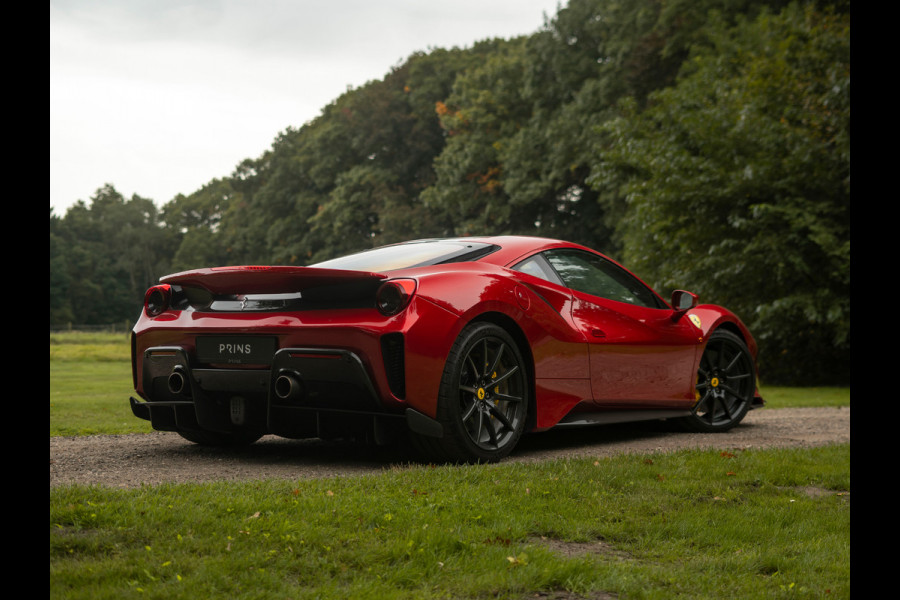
394, 368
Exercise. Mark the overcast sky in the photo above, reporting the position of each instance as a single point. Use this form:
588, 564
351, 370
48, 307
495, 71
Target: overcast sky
158, 97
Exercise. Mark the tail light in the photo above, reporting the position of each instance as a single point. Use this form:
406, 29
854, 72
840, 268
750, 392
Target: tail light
157, 300
394, 295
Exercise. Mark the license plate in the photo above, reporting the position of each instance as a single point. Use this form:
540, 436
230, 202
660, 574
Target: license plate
236, 350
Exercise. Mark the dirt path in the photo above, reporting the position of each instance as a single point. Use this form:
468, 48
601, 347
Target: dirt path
132, 460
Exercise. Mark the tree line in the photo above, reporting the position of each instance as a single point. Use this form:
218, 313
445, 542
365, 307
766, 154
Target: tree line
703, 143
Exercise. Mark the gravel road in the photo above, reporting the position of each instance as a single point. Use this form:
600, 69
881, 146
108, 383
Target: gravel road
128, 461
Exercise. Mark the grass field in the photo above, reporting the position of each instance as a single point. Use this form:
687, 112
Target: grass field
692, 524
90, 382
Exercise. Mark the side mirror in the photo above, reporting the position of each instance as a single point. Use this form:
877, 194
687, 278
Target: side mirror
683, 300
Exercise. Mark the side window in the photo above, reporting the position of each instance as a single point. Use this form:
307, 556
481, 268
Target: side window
597, 276
538, 266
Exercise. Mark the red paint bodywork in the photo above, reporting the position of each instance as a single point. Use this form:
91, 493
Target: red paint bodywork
585, 354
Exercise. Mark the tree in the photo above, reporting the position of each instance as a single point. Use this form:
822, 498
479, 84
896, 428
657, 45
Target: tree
521, 127
737, 184
104, 257
195, 220
60, 281
296, 204
479, 118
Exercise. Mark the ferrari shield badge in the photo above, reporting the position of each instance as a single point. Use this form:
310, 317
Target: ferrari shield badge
695, 320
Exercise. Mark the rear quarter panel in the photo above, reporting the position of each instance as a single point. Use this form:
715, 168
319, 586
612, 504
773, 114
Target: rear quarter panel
478, 291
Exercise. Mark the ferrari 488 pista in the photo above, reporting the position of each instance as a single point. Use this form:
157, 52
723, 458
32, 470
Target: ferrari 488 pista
457, 345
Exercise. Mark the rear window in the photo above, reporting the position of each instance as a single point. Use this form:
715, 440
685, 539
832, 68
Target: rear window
410, 254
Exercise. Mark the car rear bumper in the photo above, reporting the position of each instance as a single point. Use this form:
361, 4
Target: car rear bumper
283, 399
306, 392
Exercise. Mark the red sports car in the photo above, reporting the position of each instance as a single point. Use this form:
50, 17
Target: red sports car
464, 344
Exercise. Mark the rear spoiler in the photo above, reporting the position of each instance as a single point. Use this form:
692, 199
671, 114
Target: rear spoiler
267, 280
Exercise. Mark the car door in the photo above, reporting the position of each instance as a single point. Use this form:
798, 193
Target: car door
641, 352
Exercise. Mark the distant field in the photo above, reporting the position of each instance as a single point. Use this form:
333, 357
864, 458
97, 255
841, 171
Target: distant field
90, 382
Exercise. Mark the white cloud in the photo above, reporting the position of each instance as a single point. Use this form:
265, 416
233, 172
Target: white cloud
159, 97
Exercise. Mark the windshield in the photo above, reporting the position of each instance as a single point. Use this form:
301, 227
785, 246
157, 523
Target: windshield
410, 254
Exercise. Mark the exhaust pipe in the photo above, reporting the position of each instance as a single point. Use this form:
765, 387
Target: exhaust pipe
288, 386
177, 381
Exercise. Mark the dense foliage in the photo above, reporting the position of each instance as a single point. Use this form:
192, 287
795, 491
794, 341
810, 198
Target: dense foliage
703, 142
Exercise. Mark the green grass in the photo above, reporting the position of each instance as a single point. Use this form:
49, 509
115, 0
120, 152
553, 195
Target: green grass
799, 397
693, 524
90, 382
83, 347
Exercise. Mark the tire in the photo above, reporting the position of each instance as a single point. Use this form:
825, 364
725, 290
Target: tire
726, 382
483, 398
215, 438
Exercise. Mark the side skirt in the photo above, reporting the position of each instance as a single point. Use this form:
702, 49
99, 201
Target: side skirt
620, 416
